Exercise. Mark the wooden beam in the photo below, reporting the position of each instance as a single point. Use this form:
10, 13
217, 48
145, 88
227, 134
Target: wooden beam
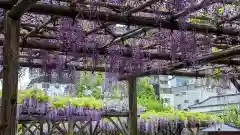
222, 46
32, 44
39, 64
102, 69
227, 62
10, 76
160, 72
185, 12
201, 60
205, 59
50, 9
34, 31
235, 83
132, 98
126, 36
142, 6
193, 8
228, 20
129, 12
1, 74
20, 8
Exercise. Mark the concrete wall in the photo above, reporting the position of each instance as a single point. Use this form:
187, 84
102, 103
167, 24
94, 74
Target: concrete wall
223, 133
216, 104
53, 90
195, 91
208, 109
185, 98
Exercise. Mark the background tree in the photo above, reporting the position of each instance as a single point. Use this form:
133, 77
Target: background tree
231, 115
145, 91
146, 96
91, 82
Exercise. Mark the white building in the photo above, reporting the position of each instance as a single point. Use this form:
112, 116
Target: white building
54, 86
181, 92
52, 89
215, 104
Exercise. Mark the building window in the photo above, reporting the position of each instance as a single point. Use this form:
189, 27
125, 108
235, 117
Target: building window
163, 82
166, 90
179, 107
45, 85
154, 80
196, 101
184, 93
186, 101
167, 100
190, 87
56, 86
185, 109
156, 90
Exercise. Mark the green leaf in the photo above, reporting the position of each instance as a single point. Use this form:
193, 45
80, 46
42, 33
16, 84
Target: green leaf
220, 10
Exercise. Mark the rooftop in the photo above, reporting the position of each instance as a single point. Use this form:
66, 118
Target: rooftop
221, 128
218, 100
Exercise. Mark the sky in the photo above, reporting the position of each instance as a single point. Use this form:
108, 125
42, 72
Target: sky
23, 81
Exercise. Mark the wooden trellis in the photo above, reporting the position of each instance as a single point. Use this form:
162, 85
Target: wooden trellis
35, 126
48, 127
143, 16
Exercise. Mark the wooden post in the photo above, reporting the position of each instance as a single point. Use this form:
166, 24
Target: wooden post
10, 76
23, 130
70, 126
132, 98
41, 124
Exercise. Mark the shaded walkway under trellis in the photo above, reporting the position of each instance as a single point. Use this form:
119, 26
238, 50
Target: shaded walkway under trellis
144, 17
